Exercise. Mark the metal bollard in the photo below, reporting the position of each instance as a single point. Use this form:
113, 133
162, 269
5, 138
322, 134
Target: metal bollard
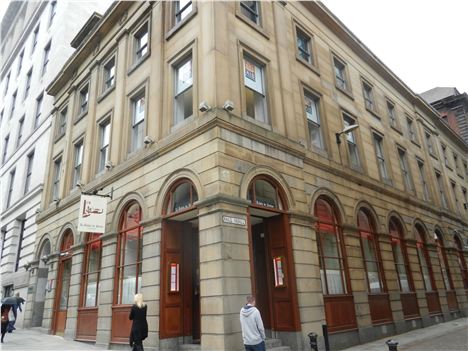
313, 341
392, 345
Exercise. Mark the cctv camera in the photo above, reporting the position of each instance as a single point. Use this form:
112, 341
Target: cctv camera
228, 105
148, 140
109, 165
203, 107
79, 185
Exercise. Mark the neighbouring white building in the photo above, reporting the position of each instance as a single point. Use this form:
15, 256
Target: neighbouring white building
35, 44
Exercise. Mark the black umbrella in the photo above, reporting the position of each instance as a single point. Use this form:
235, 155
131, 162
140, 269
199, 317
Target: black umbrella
12, 300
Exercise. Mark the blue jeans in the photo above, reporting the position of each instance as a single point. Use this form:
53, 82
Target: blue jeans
258, 347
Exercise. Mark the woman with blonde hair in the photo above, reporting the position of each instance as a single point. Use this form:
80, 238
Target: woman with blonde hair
139, 330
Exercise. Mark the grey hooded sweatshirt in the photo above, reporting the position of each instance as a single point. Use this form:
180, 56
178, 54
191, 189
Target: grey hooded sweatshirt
253, 331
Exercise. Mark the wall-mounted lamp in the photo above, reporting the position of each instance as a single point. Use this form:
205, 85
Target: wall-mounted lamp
45, 259
347, 130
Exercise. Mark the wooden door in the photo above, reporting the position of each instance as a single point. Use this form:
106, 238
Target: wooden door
285, 314
61, 297
195, 253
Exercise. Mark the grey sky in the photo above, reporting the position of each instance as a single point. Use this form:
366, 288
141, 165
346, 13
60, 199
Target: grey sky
423, 42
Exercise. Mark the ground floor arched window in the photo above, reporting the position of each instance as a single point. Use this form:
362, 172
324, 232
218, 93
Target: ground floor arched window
461, 261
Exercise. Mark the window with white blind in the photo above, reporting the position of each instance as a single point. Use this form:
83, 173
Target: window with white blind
254, 90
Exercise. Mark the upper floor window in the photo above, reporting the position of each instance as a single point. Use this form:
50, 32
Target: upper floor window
353, 152
78, 162
380, 154
20, 62
454, 194
455, 162
53, 10
34, 39
13, 103
430, 146
20, 131
440, 185
444, 155
141, 42
391, 114
84, 99
20, 243
10, 188
313, 119
304, 47
465, 166
182, 9
254, 90
28, 83
422, 177
5, 148
56, 179
251, 10
38, 110
405, 171
109, 74
62, 122
183, 98
341, 77
46, 58
104, 140
411, 130
7, 83
29, 166
367, 91
138, 121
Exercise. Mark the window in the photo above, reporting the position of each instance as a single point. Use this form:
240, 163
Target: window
38, 110
84, 99
368, 96
391, 114
399, 255
422, 176
7, 83
1, 117
130, 257
109, 74
20, 244
46, 58
34, 39
182, 197
10, 188
104, 139
20, 132
138, 121
353, 152
13, 103
20, 62
62, 123
465, 199
444, 155
454, 193
455, 162
465, 166
313, 120
304, 50
405, 171
445, 270
251, 10
183, 100
440, 185
370, 253
461, 260
5, 148
379, 153
28, 83
254, 90
424, 260
29, 166
430, 146
56, 179
341, 79
53, 10
333, 270
141, 42
411, 130
3, 244
182, 9
91, 270
78, 162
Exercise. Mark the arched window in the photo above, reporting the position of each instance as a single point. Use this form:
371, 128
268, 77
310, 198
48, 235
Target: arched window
461, 261
129, 259
181, 197
333, 270
443, 261
91, 270
66, 244
370, 253
423, 258
265, 194
399, 256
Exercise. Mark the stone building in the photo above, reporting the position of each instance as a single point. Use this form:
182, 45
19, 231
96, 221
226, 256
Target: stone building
34, 45
246, 148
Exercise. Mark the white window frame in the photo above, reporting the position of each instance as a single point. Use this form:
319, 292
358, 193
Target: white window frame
183, 89
29, 166
248, 11
78, 156
135, 142
351, 141
312, 113
104, 149
253, 73
380, 156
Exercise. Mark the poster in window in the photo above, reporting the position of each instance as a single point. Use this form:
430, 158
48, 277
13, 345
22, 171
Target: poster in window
174, 277
279, 271
253, 76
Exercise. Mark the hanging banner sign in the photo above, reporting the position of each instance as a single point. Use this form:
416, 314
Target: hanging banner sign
92, 216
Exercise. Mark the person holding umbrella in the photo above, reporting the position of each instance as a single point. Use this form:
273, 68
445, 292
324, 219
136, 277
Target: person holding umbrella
5, 310
15, 302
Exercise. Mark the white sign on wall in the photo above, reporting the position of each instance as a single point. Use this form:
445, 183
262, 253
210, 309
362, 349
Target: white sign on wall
93, 211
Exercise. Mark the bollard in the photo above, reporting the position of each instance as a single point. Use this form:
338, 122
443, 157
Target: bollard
313, 341
392, 345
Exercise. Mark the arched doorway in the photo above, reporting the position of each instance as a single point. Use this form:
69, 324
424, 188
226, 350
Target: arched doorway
63, 284
272, 266
180, 265
41, 285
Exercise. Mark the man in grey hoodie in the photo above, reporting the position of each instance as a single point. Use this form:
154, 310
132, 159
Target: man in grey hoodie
253, 332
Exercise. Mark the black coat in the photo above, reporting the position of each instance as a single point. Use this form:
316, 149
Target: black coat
139, 326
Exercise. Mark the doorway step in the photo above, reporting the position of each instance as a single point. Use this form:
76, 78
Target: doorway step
275, 345
190, 347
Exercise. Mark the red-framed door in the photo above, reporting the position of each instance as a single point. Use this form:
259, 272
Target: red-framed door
61, 296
